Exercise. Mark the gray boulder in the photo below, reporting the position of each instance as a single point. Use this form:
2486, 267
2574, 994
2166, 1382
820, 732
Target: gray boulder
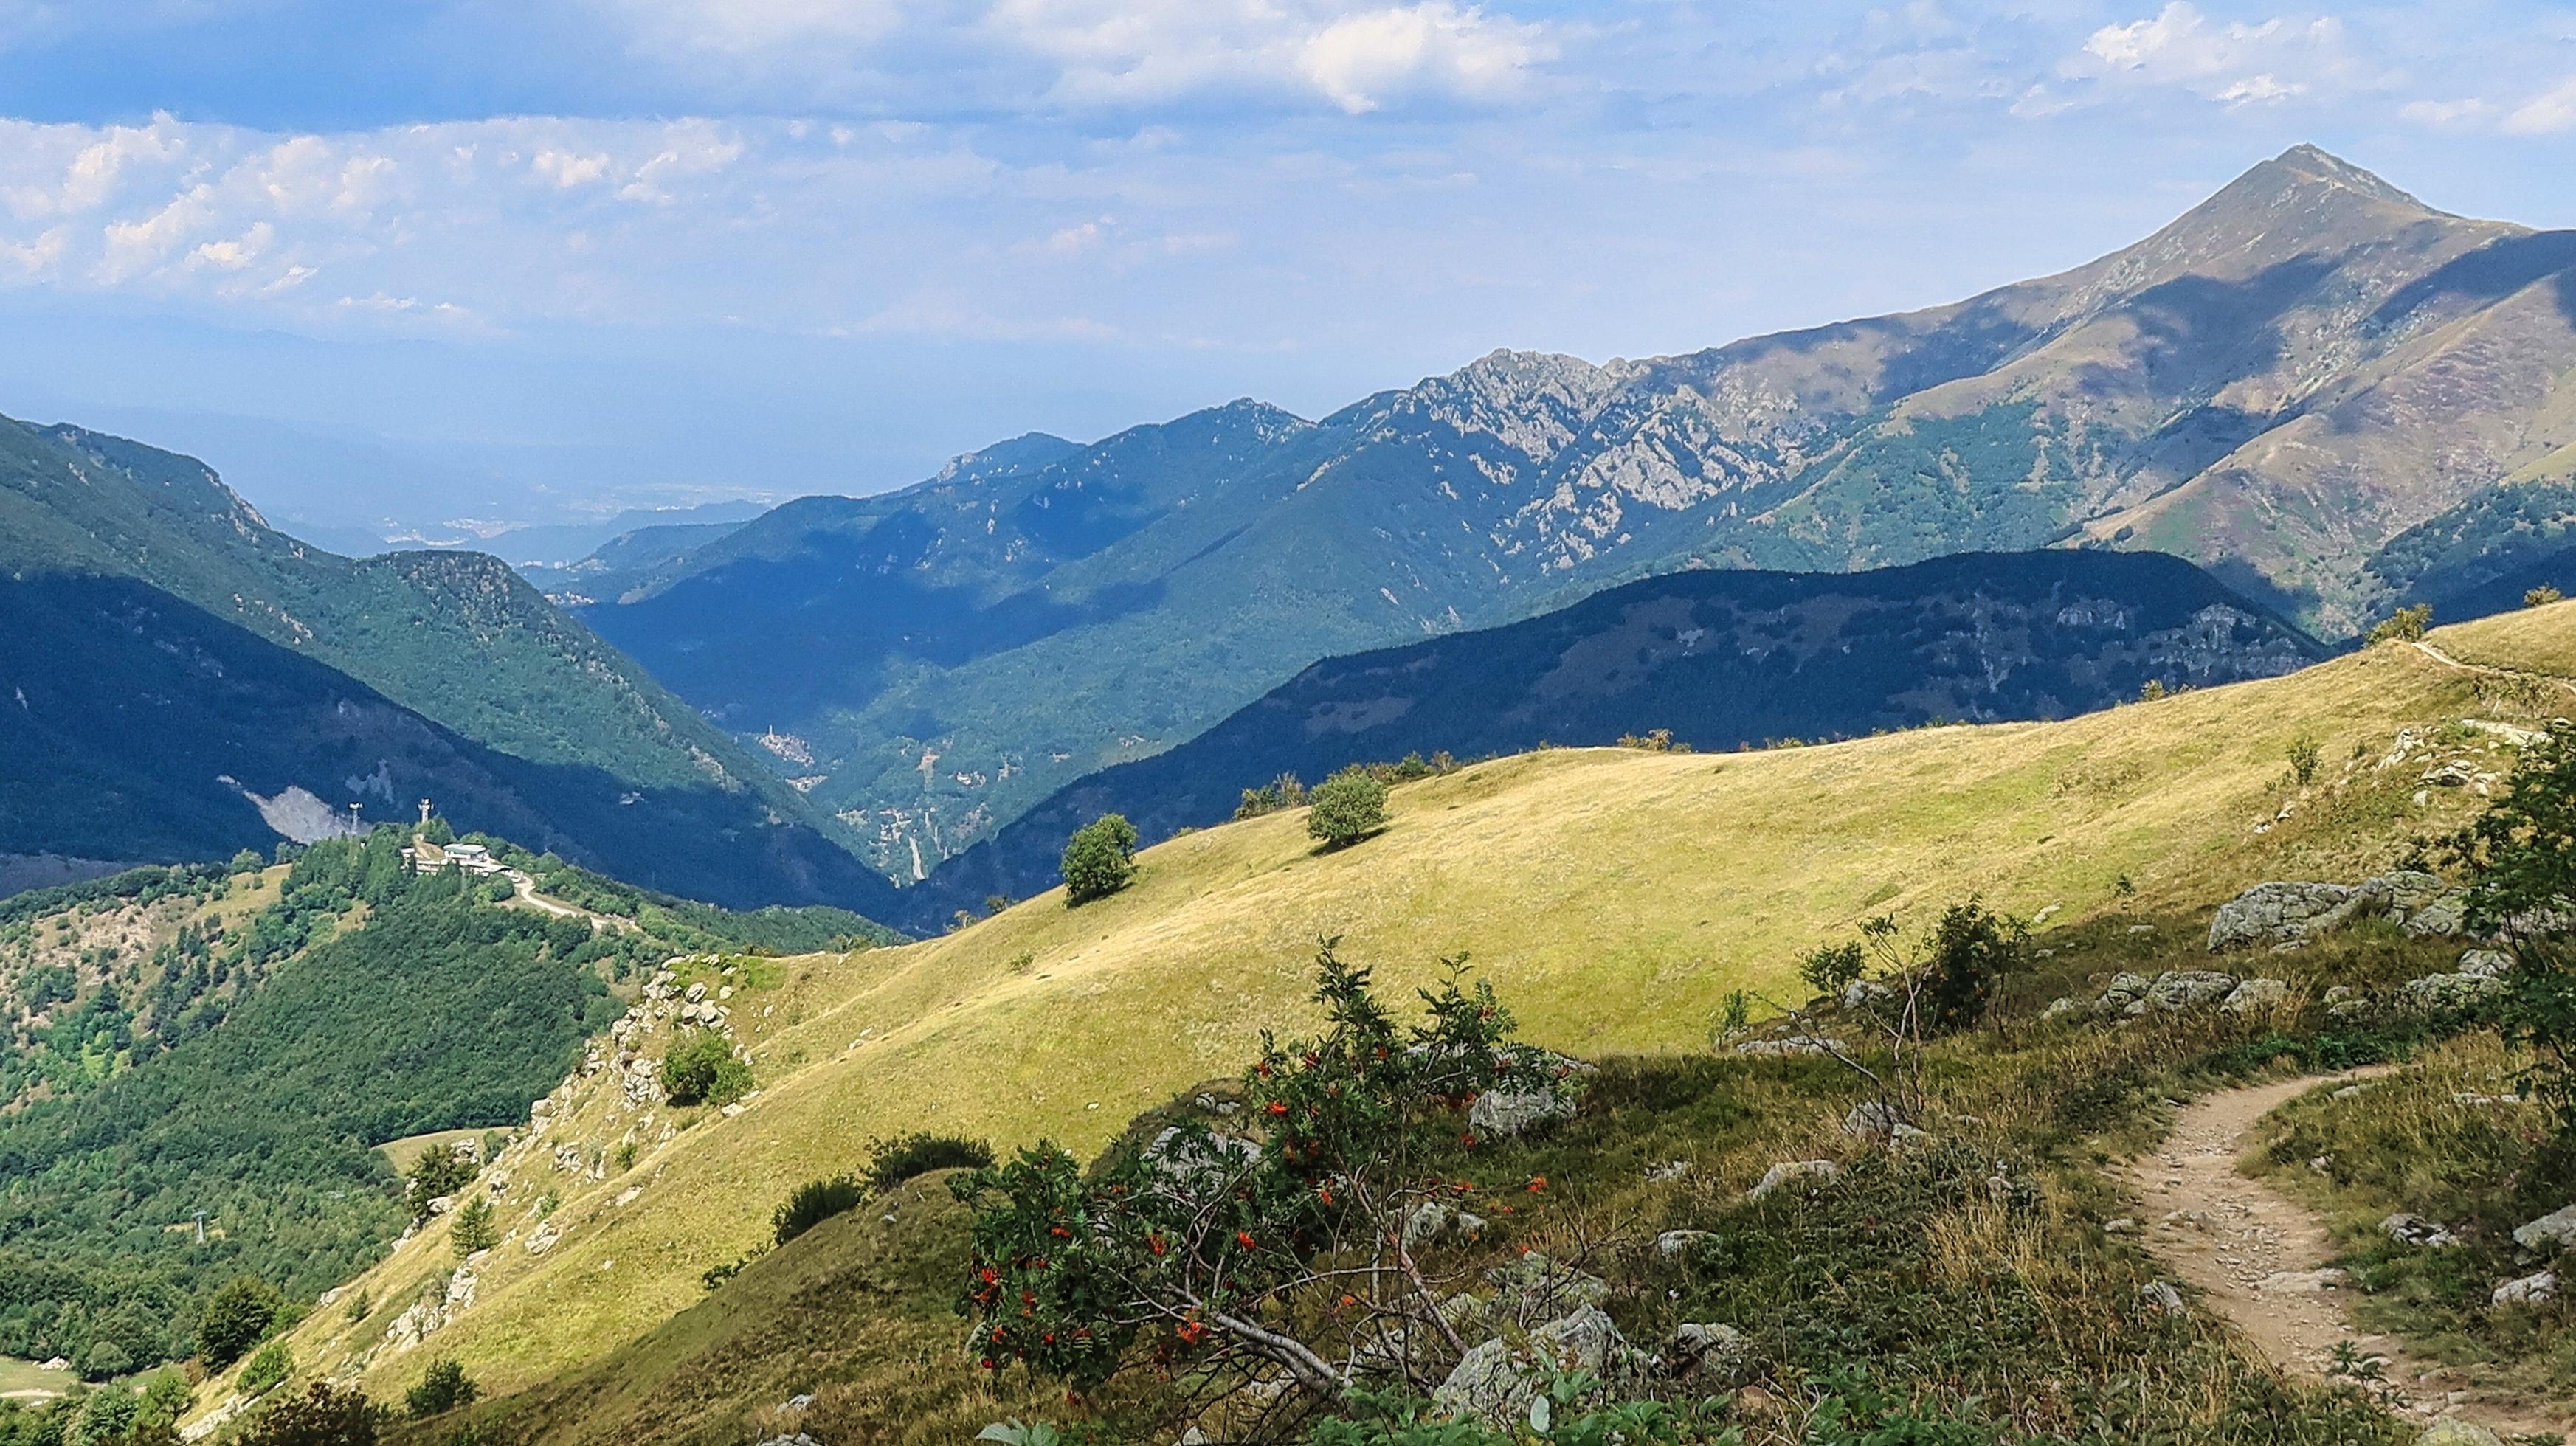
2125, 990
1498, 1115
2064, 1008
2553, 1231
2176, 990
1497, 1383
1787, 1046
2537, 1289
2273, 913
2448, 993
2254, 996
1673, 1244
2443, 918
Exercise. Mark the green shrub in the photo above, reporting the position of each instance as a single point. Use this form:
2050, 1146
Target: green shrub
443, 1388
236, 1318
1099, 860
323, 1416
891, 1162
273, 1363
701, 1068
1345, 808
2305, 755
2542, 596
105, 1360
814, 1202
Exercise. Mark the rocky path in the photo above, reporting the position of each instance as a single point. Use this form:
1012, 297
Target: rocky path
2261, 1259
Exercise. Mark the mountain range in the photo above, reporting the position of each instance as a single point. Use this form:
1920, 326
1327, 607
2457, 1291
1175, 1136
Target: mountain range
179, 680
2330, 395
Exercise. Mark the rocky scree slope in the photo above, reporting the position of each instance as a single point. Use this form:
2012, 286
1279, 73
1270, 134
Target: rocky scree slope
1615, 897
2277, 386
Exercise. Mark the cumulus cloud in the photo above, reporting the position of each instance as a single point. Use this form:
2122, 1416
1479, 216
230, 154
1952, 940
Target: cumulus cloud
1361, 62
2237, 63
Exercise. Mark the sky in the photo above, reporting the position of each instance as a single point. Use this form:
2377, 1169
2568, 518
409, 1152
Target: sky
405, 265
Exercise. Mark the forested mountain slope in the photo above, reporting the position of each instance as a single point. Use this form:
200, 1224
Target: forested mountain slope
2278, 387
1718, 658
168, 656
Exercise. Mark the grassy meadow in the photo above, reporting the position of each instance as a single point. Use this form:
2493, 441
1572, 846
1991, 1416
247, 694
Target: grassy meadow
1614, 897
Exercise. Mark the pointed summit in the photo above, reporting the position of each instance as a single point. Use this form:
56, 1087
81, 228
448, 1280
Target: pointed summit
2314, 166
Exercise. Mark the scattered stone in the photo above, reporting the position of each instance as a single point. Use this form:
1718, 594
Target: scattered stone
1537, 1283
1873, 1122
2061, 1008
2124, 990
2161, 1296
2537, 1289
2254, 996
1674, 1243
1716, 1354
1863, 993
2553, 1231
1793, 1172
793, 1438
1433, 1218
2448, 993
1200, 1161
2485, 963
1497, 1115
2408, 1229
1788, 1046
2176, 990
2473, 1099
1496, 1383
2125, 1225
2303, 1282
2455, 1432
2135, 929
544, 1238
1667, 1172
2281, 912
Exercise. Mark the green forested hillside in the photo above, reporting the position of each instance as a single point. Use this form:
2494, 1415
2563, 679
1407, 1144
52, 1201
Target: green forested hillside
239, 1043
168, 652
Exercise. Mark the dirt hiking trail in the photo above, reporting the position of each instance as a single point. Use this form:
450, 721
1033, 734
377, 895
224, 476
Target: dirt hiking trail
2262, 1260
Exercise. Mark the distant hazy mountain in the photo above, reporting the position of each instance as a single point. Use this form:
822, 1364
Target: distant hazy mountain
2278, 386
178, 680
1722, 658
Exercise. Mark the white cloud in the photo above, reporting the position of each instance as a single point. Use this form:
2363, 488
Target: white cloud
1361, 62
2545, 114
764, 30
2444, 112
2236, 63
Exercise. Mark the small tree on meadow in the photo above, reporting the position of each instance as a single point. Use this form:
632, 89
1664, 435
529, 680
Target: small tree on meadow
473, 1228
436, 1174
2305, 755
2406, 625
701, 1069
1345, 808
1099, 860
2542, 596
325, 1415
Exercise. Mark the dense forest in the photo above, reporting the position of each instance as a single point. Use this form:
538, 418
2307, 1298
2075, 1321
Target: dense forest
280, 1025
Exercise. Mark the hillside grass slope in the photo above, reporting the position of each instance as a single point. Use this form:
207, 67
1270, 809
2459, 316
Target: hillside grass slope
1614, 897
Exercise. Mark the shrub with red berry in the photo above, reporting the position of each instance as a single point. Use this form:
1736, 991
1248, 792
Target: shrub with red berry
1276, 1253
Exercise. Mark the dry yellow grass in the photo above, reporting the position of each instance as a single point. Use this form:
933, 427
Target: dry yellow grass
1615, 897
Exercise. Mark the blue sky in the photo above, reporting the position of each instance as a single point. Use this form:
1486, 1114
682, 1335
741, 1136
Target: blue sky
518, 261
